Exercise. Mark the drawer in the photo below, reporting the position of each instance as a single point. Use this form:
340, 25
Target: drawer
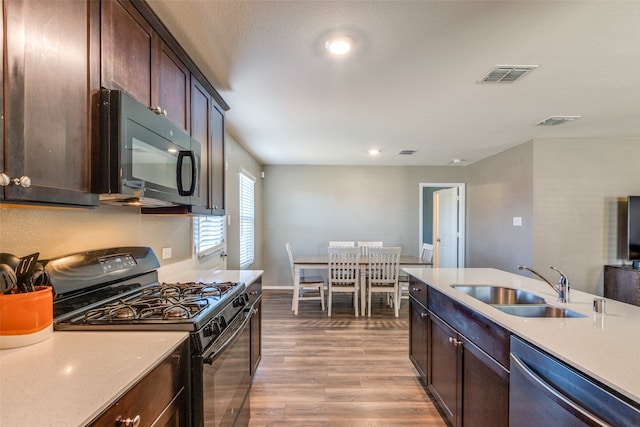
152, 394
485, 334
418, 290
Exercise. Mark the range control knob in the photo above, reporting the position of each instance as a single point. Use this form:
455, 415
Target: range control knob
239, 301
212, 328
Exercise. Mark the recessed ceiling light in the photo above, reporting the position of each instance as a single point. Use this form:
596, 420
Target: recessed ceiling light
339, 45
374, 152
458, 162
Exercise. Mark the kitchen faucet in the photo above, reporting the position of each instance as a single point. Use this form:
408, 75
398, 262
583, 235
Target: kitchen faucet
563, 286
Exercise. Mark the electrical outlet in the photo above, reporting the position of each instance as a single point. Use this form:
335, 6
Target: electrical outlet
166, 253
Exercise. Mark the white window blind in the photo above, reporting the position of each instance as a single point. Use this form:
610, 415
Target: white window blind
208, 234
247, 227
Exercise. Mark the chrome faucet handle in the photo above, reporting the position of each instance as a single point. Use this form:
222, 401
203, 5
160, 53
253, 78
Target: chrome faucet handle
563, 285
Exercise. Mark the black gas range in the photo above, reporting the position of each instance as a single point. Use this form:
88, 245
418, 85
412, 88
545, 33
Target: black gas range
118, 289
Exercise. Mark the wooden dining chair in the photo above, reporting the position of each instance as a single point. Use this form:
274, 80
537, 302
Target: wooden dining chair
341, 244
344, 273
314, 284
364, 247
383, 270
426, 254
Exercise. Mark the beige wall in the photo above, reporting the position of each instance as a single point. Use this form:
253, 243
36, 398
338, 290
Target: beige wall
576, 188
309, 205
56, 231
500, 188
237, 159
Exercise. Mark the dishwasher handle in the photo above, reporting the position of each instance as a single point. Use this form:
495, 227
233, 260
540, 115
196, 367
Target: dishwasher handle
554, 394
237, 330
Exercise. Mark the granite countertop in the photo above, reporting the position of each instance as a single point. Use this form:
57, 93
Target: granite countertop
603, 346
70, 378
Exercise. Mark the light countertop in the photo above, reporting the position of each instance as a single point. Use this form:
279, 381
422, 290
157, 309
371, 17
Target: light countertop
70, 378
605, 347
174, 273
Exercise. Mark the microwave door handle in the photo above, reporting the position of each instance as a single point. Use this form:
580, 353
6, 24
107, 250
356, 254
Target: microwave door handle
192, 188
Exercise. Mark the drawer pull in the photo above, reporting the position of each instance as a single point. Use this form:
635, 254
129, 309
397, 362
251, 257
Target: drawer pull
135, 422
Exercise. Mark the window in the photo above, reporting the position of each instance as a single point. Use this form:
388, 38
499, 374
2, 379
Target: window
247, 226
208, 234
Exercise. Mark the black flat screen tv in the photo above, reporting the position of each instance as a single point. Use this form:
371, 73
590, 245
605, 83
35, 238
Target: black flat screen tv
633, 230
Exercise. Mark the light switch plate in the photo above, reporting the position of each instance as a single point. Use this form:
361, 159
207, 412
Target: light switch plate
517, 221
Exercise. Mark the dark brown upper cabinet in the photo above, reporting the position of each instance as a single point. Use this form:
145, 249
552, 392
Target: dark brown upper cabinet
51, 82
136, 60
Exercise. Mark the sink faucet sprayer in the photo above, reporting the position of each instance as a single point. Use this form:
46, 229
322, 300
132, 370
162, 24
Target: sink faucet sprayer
563, 286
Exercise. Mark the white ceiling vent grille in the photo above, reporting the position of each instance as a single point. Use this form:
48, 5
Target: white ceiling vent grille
507, 73
407, 152
557, 120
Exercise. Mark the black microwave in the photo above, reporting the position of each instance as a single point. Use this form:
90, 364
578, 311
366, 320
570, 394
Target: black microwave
143, 159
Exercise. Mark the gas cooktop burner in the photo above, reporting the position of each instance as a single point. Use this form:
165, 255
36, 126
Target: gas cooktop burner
189, 289
164, 301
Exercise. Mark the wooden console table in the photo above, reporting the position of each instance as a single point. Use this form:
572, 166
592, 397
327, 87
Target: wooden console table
622, 283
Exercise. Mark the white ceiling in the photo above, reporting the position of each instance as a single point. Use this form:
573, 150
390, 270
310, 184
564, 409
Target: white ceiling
412, 80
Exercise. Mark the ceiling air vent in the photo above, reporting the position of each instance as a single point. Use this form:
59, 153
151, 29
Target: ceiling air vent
557, 120
407, 152
507, 73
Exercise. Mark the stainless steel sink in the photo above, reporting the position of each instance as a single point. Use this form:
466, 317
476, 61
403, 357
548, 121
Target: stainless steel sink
515, 301
499, 294
539, 310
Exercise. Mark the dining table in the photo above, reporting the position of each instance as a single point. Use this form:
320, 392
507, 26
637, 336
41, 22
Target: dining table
321, 262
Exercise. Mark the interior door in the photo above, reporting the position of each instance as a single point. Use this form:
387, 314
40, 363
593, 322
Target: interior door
446, 228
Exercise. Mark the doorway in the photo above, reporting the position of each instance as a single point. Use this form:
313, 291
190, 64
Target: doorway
442, 222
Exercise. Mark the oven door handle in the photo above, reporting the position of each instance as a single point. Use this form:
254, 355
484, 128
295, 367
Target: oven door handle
211, 357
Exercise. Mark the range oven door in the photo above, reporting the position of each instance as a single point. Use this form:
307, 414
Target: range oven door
144, 156
222, 378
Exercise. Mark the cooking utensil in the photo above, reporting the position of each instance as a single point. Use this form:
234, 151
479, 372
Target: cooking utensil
8, 279
10, 259
25, 270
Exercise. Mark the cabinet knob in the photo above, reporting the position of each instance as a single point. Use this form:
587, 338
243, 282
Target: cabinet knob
23, 181
455, 341
159, 110
130, 422
423, 315
415, 289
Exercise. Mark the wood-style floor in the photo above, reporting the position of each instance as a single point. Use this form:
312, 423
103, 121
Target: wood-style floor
338, 371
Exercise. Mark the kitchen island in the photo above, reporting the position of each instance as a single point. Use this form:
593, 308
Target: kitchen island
602, 346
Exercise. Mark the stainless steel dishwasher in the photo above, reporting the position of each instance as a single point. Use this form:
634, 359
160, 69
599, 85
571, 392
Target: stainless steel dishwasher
544, 391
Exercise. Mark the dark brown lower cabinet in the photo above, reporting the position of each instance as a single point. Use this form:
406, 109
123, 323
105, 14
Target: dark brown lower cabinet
443, 376
470, 387
485, 388
418, 337
160, 399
